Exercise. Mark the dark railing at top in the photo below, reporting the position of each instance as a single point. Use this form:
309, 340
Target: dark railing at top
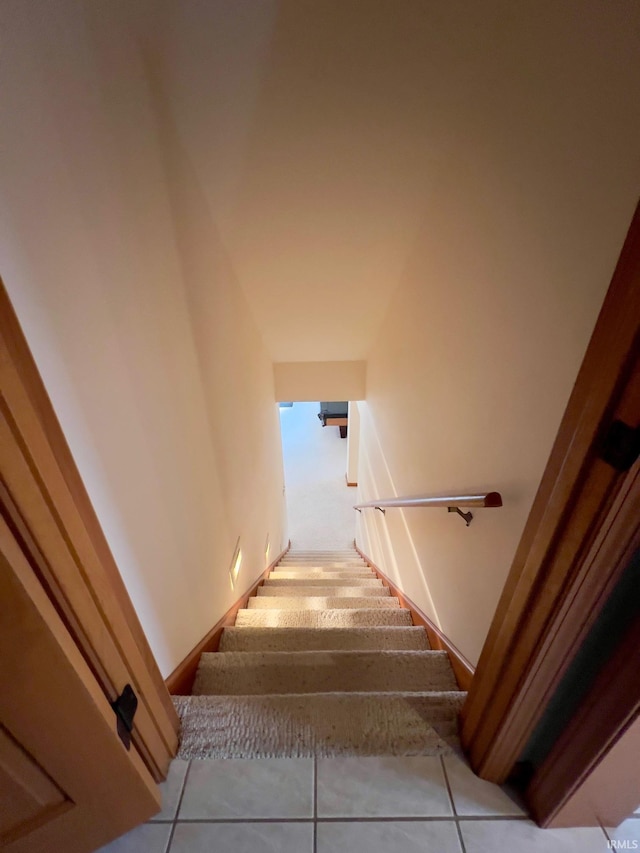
452, 502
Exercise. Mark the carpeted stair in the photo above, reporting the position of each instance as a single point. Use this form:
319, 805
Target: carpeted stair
322, 661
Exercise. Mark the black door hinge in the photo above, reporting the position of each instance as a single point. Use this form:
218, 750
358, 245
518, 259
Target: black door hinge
621, 446
125, 707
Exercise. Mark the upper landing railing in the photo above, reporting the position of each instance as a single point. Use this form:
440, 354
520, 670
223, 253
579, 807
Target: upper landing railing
452, 502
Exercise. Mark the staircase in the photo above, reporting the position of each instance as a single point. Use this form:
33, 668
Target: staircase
323, 661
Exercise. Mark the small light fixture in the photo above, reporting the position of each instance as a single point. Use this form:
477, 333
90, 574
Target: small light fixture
267, 551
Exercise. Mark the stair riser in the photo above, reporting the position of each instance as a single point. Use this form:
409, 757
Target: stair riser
362, 583
325, 591
323, 557
313, 567
322, 567
328, 639
302, 574
316, 560
262, 673
322, 618
319, 603
334, 555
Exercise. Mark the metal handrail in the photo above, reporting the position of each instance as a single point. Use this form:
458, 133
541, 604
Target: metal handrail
452, 502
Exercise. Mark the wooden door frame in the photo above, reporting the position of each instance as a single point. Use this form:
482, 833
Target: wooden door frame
48, 510
559, 579
607, 712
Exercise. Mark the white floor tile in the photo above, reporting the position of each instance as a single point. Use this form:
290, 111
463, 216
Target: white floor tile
148, 838
171, 789
382, 787
523, 836
388, 837
243, 838
243, 788
474, 796
629, 831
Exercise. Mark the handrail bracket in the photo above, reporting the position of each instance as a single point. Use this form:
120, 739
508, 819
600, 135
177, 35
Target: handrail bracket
466, 515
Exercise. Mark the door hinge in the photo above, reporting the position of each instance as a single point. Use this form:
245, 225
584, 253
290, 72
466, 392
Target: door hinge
621, 445
125, 707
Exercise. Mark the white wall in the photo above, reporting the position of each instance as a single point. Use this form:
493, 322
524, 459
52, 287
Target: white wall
320, 509
483, 339
320, 380
353, 443
144, 340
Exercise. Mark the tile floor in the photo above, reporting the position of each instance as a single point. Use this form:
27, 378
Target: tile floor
348, 805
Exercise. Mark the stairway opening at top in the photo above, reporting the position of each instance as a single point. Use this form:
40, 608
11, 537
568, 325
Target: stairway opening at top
320, 445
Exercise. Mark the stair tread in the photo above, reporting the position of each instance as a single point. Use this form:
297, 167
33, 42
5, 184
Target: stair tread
350, 551
319, 573
324, 561
323, 567
306, 561
322, 581
327, 591
250, 673
351, 554
317, 602
292, 639
334, 618
318, 724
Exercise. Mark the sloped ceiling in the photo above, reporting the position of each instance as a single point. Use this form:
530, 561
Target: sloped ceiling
323, 135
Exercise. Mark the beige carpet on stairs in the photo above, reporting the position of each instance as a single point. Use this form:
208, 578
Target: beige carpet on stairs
323, 661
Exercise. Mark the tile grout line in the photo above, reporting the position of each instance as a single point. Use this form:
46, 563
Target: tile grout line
351, 819
178, 806
240, 820
453, 804
315, 804
430, 819
606, 835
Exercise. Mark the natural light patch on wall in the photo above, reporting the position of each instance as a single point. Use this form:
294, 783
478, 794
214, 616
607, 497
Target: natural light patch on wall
236, 564
387, 539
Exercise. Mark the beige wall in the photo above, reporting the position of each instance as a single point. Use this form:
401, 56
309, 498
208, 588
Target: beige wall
320, 380
153, 171
476, 358
144, 340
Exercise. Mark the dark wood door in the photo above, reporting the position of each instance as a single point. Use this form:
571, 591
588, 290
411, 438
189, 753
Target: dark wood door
67, 781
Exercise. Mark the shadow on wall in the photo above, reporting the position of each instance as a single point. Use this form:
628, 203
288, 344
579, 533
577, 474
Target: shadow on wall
387, 538
235, 371
319, 502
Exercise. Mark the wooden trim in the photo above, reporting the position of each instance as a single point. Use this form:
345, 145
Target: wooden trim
613, 702
180, 682
44, 502
55, 710
557, 584
346, 476
462, 669
486, 499
336, 421
611, 707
